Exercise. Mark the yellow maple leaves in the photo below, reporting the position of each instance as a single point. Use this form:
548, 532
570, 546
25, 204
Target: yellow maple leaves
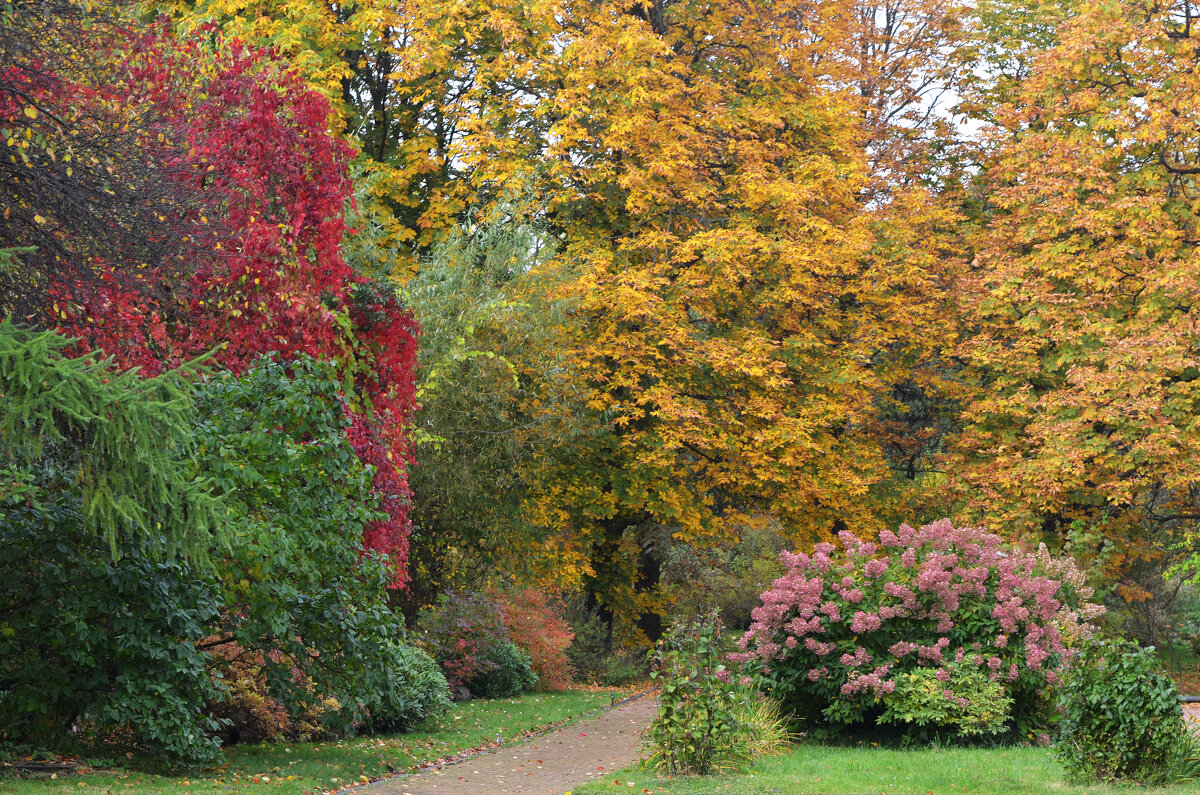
716, 217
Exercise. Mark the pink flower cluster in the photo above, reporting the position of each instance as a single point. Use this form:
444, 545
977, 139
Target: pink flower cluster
874, 682
865, 622
917, 598
860, 657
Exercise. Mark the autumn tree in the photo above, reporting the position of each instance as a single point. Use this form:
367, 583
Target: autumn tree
1081, 426
1006, 41
902, 65
588, 106
736, 305
495, 390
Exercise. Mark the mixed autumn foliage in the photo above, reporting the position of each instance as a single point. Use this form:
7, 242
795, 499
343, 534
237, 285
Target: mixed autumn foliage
680, 270
226, 152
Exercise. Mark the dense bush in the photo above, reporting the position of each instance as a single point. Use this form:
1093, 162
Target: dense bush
415, 689
1122, 719
100, 650
297, 636
510, 673
300, 592
706, 722
459, 630
539, 629
407, 686
842, 631
301, 639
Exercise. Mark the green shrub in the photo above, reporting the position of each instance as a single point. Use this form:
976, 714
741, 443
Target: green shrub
959, 696
590, 648
1122, 719
299, 593
510, 673
706, 722
416, 689
100, 651
109, 574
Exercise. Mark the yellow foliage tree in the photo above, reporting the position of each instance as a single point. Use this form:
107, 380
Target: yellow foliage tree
1083, 291
743, 310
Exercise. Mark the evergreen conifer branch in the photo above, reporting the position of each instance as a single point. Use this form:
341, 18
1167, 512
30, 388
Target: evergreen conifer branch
122, 442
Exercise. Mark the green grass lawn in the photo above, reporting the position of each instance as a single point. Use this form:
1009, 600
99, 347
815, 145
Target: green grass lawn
294, 768
828, 770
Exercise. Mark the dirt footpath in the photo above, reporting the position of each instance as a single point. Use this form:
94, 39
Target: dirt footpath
547, 765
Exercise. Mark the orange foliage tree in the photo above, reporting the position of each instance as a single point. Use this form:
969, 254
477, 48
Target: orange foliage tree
1083, 296
741, 309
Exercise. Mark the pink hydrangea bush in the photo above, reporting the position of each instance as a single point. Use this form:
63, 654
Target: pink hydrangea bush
835, 634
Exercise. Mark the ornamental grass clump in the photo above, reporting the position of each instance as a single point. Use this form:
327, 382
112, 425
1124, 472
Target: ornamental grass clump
861, 635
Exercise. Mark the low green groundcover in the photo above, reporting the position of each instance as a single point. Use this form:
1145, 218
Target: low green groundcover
865, 770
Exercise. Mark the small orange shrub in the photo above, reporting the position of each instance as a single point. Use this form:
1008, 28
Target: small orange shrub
538, 628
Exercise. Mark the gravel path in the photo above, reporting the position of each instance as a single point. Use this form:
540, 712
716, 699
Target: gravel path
548, 765
1191, 714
